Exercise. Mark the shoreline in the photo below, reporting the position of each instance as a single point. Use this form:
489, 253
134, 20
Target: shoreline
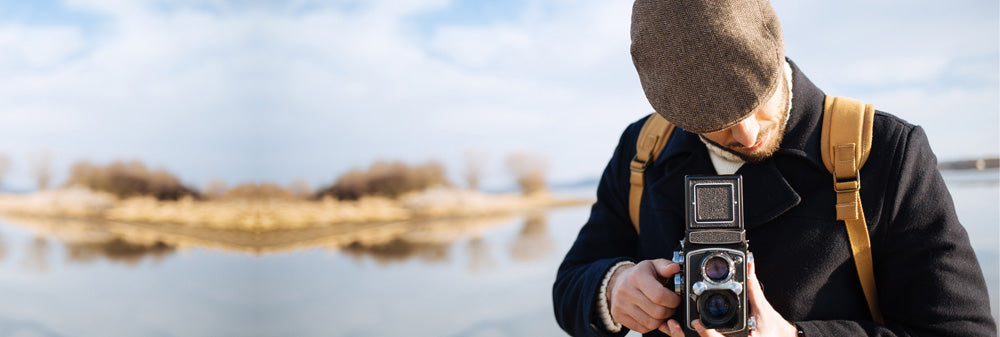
256, 226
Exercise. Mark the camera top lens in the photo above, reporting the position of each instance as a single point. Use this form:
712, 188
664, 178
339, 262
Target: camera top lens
717, 269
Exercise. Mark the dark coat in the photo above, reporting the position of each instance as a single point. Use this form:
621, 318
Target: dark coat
929, 282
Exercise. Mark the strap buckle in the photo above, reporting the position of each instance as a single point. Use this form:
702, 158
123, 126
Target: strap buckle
637, 165
842, 186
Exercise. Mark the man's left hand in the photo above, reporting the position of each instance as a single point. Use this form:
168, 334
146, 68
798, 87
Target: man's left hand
769, 322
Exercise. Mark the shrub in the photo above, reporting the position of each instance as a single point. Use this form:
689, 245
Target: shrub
127, 179
388, 179
529, 170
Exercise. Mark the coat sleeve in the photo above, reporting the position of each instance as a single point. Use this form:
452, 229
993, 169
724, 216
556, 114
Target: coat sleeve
605, 239
929, 282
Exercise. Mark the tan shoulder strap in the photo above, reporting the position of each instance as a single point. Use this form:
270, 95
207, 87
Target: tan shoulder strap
845, 143
652, 139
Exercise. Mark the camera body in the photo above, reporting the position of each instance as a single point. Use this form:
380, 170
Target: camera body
713, 255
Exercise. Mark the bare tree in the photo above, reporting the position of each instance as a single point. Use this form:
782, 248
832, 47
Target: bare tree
4, 166
475, 167
40, 162
529, 170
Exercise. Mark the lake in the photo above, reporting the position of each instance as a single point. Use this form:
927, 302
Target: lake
491, 280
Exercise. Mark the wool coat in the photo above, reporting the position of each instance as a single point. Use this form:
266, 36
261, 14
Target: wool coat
929, 282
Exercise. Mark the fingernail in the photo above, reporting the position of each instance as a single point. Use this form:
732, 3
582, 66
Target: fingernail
750, 258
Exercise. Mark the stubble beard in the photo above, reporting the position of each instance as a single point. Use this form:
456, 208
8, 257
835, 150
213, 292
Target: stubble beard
770, 148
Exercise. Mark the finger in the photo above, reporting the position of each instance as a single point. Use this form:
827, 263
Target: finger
672, 328
704, 332
642, 321
665, 268
656, 293
652, 310
755, 292
632, 323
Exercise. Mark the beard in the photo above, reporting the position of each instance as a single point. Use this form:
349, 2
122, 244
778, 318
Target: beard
768, 149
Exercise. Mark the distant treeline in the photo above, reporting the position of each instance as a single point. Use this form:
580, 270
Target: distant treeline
128, 179
389, 179
394, 178
972, 164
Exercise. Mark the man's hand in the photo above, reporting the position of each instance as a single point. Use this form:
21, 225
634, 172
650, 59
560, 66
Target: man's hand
637, 298
769, 322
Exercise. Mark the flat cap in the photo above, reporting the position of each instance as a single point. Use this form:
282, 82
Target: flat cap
707, 64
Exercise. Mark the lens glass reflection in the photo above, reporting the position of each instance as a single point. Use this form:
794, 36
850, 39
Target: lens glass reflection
717, 305
716, 269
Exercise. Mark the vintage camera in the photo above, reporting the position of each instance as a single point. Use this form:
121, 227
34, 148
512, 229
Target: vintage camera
713, 255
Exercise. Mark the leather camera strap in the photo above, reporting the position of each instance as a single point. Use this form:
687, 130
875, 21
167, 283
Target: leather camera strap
652, 138
845, 144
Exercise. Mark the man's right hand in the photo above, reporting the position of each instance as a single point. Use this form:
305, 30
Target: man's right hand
638, 298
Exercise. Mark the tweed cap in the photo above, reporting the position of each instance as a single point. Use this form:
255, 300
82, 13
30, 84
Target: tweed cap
707, 64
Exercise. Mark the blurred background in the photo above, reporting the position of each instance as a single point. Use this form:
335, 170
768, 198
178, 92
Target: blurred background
206, 168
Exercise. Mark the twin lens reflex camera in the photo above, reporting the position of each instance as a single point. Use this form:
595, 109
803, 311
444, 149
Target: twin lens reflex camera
713, 255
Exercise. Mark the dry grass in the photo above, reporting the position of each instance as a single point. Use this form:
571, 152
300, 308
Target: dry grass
270, 214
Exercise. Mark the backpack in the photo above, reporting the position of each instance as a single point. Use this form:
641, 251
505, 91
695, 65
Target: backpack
845, 144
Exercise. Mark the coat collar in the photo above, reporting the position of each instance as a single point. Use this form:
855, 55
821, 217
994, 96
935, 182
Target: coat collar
806, 117
766, 193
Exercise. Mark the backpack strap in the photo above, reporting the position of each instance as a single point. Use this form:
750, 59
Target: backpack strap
845, 144
652, 138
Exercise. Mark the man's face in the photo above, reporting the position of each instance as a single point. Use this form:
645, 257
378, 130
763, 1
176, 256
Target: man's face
757, 137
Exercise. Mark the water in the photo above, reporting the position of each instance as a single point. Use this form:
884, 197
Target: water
492, 279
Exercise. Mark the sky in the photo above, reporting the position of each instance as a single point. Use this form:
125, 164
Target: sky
275, 91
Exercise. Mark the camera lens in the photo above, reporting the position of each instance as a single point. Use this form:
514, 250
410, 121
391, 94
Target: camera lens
716, 305
718, 309
716, 269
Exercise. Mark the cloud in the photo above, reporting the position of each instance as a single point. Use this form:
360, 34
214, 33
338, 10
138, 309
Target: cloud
261, 90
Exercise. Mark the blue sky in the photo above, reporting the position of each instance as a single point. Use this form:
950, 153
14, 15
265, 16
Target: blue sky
251, 91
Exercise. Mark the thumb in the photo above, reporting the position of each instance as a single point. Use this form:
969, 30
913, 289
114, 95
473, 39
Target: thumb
755, 291
665, 268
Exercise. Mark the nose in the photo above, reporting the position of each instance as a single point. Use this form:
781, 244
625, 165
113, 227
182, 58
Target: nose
745, 132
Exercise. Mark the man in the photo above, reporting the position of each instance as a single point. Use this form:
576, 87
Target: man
716, 70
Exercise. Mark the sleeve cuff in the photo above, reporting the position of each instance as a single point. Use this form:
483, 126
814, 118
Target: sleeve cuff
602, 299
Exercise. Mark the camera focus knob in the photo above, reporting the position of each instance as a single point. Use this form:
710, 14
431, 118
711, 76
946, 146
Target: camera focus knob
679, 284
678, 279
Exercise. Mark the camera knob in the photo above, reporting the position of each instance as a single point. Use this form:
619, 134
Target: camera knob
678, 279
679, 284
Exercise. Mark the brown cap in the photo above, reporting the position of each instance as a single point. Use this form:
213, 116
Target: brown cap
706, 65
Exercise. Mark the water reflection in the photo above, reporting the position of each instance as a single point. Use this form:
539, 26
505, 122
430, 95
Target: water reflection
426, 241
85, 242
534, 241
971, 178
480, 259
37, 255
3, 248
116, 250
432, 242
399, 250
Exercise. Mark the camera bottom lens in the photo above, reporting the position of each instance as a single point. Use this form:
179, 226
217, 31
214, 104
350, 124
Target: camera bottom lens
718, 309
